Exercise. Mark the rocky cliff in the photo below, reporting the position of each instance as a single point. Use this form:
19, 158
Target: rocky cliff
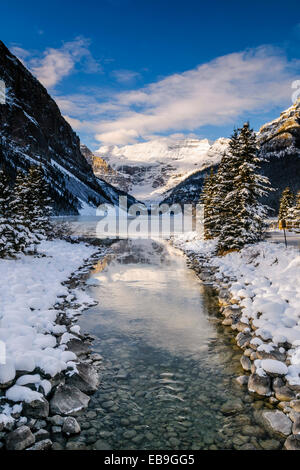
32, 131
279, 149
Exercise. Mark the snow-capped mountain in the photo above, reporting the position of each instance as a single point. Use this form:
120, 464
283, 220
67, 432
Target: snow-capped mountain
33, 131
149, 169
279, 143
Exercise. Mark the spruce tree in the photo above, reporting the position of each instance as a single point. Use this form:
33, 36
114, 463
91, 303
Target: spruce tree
207, 199
244, 215
7, 234
287, 201
293, 213
26, 240
39, 203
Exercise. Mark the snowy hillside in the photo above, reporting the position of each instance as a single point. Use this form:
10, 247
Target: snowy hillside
33, 132
147, 170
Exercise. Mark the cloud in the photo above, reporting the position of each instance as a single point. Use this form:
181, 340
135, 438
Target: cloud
215, 93
125, 76
56, 64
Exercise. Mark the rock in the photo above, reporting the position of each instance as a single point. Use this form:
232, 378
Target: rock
73, 445
56, 429
240, 326
284, 394
41, 435
295, 404
277, 422
40, 424
78, 347
243, 340
101, 445
232, 407
19, 439
68, 400
36, 408
129, 434
87, 379
227, 321
56, 420
242, 380
296, 426
259, 385
42, 445
292, 442
246, 363
270, 444
71, 426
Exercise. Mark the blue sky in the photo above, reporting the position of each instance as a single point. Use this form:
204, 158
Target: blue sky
124, 71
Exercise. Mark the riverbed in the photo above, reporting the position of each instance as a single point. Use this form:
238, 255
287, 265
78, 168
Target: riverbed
169, 368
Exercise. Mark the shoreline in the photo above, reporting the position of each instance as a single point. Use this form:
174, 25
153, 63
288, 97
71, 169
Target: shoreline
45, 413
270, 386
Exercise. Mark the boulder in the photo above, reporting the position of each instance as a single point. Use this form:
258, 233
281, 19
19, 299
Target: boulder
36, 408
296, 425
284, 394
232, 407
71, 426
68, 400
78, 347
42, 445
86, 378
246, 363
259, 384
295, 404
277, 422
292, 442
243, 339
242, 380
19, 439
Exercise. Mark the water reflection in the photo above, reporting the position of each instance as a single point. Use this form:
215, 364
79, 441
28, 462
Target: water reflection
168, 367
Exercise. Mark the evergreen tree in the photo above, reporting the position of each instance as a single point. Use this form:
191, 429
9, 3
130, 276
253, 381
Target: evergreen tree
286, 203
207, 199
39, 203
26, 240
243, 216
293, 213
7, 235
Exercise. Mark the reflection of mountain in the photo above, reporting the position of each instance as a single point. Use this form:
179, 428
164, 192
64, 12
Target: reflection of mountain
144, 252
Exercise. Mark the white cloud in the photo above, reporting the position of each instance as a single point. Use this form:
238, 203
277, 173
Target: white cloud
55, 64
215, 93
125, 76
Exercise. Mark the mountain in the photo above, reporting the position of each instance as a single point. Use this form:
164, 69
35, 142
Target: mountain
149, 169
279, 149
33, 131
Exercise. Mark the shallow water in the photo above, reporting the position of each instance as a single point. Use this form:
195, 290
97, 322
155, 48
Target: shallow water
168, 364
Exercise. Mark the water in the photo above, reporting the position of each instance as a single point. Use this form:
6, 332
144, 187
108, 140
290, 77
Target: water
168, 364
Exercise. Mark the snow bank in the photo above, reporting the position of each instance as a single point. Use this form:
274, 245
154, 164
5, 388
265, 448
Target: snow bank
265, 279
29, 288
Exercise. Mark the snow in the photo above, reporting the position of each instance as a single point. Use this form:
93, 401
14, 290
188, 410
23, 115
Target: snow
164, 163
273, 366
266, 282
30, 287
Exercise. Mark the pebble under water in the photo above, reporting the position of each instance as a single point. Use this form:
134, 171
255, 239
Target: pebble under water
167, 376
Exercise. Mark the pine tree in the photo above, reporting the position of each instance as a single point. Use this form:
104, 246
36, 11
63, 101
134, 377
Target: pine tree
244, 215
207, 199
26, 240
7, 235
287, 201
39, 203
293, 213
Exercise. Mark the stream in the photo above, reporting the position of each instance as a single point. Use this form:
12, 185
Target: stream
168, 370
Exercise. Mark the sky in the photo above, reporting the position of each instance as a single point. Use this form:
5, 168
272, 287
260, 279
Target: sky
125, 71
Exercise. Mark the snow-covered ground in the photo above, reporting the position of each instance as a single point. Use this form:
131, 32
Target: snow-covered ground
29, 288
266, 282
